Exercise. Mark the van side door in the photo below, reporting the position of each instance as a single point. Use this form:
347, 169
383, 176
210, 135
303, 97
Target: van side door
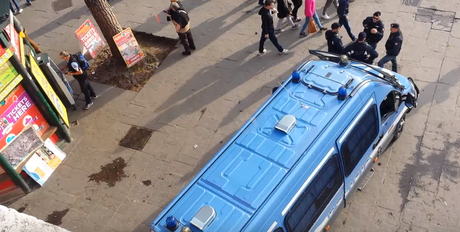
356, 144
389, 110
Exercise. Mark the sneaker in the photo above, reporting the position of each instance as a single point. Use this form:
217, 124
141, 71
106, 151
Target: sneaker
20, 11
94, 97
296, 20
295, 26
88, 106
262, 53
303, 34
29, 3
284, 52
325, 16
187, 53
278, 31
193, 48
323, 28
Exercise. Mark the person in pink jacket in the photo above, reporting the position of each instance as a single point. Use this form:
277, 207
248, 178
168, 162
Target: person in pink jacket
310, 12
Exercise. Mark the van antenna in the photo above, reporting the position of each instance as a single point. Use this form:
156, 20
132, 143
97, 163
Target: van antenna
292, 95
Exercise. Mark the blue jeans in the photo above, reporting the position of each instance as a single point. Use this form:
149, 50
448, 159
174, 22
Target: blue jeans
261, 2
343, 21
387, 59
307, 20
272, 37
15, 4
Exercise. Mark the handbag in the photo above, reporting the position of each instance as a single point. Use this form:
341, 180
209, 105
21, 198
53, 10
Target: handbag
312, 26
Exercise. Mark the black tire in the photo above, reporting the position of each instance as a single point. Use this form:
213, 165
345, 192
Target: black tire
399, 128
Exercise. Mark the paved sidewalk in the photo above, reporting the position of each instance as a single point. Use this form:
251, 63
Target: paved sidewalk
204, 98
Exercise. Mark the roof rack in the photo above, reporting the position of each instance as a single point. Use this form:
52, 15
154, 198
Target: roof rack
383, 75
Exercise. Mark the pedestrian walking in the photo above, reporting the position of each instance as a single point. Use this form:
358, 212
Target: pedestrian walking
181, 22
393, 47
310, 12
360, 50
16, 4
326, 6
268, 30
297, 5
342, 12
334, 41
284, 13
374, 28
76, 66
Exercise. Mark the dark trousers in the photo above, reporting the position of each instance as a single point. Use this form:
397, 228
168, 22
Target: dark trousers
297, 5
261, 2
85, 86
328, 4
187, 40
373, 44
15, 3
343, 21
272, 37
387, 59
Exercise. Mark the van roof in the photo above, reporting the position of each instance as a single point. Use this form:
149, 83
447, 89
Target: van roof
250, 167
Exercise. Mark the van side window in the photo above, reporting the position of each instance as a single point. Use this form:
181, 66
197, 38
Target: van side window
360, 139
389, 105
315, 198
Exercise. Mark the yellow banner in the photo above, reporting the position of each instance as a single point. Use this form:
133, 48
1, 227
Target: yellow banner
43, 82
10, 87
5, 57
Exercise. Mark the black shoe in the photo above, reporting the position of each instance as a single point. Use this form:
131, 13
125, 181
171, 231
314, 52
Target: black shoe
187, 53
323, 28
193, 48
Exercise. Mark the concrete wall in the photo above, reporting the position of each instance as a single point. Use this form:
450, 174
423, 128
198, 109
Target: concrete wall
12, 220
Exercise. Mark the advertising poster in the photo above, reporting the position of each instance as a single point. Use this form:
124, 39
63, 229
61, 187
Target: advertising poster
90, 38
52, 96
14, 37
10, 87
43, 162
128, 47
7, 75
16, 112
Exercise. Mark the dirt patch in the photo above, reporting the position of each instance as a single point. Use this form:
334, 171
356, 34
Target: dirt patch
56, 217
147, 182
24, 207
110, 173
112, 72
136, 138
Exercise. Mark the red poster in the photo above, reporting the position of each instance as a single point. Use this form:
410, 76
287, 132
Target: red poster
90, 38
14, 37
16, 112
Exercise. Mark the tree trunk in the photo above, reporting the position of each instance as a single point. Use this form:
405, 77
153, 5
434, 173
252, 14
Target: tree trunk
108, 23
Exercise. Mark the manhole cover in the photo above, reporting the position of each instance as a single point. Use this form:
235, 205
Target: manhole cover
410, 2
136, 138
61, 4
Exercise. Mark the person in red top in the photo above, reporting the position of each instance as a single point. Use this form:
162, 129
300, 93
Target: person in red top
310, 11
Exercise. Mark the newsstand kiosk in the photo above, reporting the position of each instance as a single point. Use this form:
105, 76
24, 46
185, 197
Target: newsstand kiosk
33, 112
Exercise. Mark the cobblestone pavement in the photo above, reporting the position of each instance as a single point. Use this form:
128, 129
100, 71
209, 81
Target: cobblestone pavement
203, 99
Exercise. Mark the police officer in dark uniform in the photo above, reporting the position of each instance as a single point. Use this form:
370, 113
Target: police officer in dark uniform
393, 46
360, 50
374, 29
334, 41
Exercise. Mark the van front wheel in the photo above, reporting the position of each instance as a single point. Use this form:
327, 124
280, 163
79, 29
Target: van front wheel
399, 128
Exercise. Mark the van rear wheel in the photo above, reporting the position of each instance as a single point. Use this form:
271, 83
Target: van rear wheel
399, 128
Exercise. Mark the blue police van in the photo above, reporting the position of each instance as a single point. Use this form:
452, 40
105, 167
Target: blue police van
297, 160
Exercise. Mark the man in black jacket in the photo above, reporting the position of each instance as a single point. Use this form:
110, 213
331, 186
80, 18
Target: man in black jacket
393, 46
374, 29
268, 30
360, 50
334, 41
342, 12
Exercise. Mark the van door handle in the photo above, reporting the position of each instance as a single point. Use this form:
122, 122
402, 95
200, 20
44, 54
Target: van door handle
378, 141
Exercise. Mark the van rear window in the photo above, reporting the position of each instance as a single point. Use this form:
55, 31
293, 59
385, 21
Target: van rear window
312, 202
360, 139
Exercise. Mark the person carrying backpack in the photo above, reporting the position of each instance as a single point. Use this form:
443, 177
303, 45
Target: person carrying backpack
77, 65
181, 22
